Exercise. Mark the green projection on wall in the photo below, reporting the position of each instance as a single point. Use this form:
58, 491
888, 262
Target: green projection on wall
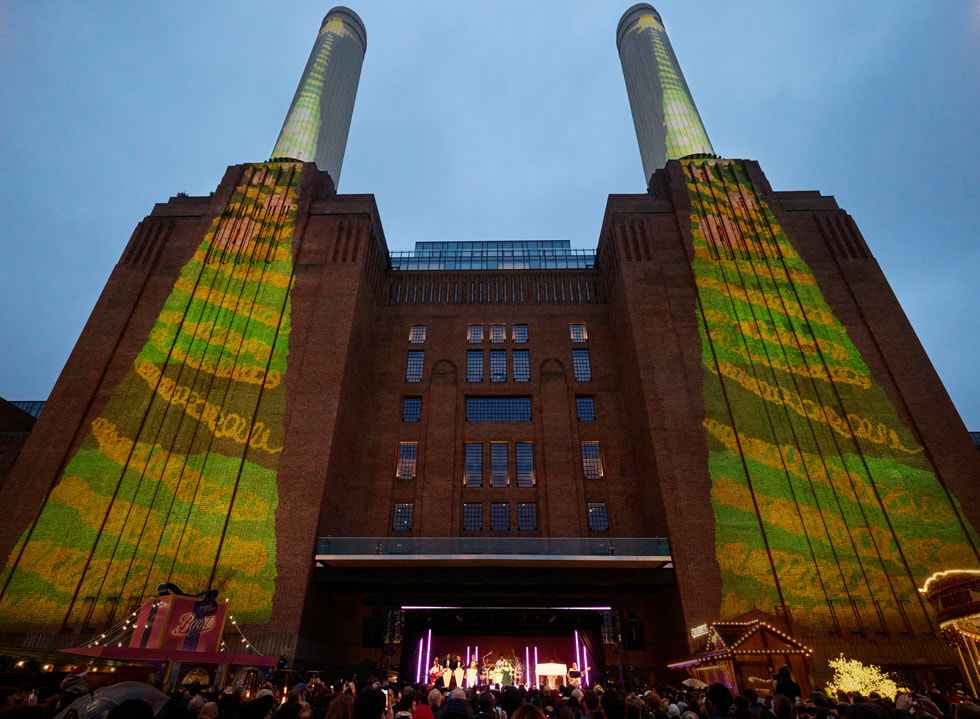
824, 501
685, 133
175, 481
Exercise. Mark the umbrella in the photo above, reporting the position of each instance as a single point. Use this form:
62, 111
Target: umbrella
694, 683
105, 699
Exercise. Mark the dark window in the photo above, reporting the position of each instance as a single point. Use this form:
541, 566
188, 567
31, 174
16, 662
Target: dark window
416, 334
472, 517
500, 516
591, 461
498, 409
598, 518
413, 372
498, 464
411, 409
498, 365
522, 366
578, 333
519, 333
474, 333
498, 333
527, 516
473, 470
525, 464
408, 453
586, 408
582, 365
401, 518
474, 365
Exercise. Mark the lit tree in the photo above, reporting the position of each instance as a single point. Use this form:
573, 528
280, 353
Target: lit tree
850, 675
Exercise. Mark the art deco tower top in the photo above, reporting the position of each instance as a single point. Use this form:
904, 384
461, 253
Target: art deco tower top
318, 121
668, 126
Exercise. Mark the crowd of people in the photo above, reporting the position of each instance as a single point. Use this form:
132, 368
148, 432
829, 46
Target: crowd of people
427, 701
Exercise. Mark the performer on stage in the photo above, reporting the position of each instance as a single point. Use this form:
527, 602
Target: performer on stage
435, 673
503, 671
471, 673
574, 677
458, 671
447, 672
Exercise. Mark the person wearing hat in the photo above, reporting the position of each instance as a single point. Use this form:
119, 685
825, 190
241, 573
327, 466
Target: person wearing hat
76, 683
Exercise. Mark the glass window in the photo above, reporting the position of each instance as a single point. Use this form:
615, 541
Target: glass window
522, 366
401, 518
498, 409
473, 465
578, 332
498, 365
498, 333
527, 516
519, 333
591, 461
474, 333
472, 517
408, 453
525, 464
416, 334
413, 371
474, 365
581, 365
500, 516
586, 408
598, 517
498, 464
411, 409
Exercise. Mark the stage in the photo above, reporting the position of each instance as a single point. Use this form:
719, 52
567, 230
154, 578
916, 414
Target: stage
510, 646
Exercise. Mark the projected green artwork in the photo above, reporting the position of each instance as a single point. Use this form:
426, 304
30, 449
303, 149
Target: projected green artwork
175, 481
824, 501
684, 132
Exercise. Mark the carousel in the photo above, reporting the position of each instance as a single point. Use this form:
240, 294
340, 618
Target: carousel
955, 594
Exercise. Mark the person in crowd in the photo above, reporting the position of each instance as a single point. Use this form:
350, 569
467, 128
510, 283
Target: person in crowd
436, 699
782, 707
613, 706
526, 711
590, 704
371, 704
341, 707
485, 704
718, 700
457, 707
785, 684
405, 707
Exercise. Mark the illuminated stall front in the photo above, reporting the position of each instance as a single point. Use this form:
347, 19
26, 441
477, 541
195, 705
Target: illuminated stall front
746, 655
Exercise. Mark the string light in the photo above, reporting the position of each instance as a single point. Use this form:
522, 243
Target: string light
242, 634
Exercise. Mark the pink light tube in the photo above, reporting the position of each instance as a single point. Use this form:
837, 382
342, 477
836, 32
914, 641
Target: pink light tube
418, 672
428, 652
527, 666
537, 679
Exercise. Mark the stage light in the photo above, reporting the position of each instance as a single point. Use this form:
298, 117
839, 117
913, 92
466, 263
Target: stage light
428, 651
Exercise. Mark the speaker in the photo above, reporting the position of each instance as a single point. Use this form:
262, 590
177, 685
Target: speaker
634, 635
372, 632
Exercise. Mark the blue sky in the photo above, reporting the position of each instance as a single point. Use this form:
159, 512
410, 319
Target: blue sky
492, 120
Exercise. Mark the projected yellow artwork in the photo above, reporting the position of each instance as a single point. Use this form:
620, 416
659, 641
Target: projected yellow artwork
824, 502
175, 481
